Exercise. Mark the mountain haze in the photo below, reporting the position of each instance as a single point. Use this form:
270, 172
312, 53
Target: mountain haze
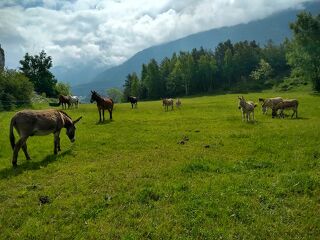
275, 27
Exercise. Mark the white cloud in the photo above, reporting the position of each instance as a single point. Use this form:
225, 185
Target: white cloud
110, 31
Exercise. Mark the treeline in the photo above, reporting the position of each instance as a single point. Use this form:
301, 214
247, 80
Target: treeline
241, 66
17, 87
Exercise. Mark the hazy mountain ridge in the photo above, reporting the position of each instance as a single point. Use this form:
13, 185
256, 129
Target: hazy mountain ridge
275, 27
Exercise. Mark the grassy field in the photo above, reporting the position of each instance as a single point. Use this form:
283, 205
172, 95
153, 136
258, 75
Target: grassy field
130, 179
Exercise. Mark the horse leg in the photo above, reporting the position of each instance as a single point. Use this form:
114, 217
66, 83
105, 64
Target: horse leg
25, 150
131, 105
16, 150
110, 113
103, 114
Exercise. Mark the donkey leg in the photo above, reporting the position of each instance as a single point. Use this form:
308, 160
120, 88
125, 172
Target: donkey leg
56, 145
16, 150
25, 150
99, 115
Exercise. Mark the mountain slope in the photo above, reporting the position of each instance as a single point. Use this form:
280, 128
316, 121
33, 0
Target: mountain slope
275, 27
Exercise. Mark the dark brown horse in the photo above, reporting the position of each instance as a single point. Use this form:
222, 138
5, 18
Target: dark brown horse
39, 123
64, 101
133, 101
102, 104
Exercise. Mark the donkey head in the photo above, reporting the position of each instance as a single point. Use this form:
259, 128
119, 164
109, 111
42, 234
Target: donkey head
241, 100
71, 129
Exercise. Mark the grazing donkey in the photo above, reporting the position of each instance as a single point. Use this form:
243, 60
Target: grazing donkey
247, 107
102, 104
38, 123
166, 102
64, 101
269, 103
133, 101
284, 105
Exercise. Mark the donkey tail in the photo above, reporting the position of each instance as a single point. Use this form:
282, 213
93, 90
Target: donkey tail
12, 139
112, 103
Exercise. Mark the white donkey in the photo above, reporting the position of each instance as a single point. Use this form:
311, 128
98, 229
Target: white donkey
74, 101
247, 107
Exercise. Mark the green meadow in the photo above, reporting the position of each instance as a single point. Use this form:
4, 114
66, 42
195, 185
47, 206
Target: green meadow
133, 178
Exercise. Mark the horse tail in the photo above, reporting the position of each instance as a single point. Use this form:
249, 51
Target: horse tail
12, 139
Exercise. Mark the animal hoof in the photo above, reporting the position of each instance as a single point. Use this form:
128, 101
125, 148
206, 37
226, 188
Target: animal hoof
207, 146
181, 142
14, 165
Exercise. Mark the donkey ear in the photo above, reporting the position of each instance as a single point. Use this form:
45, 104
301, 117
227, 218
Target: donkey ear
77, 120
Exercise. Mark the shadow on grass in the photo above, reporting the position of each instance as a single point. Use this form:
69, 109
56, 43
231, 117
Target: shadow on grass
105, 122
30, 165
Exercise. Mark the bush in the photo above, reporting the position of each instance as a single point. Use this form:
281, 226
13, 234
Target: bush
15, 90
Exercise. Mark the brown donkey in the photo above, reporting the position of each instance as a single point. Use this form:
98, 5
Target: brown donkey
102, 104
39, 123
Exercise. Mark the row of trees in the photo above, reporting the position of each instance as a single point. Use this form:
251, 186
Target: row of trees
240, 66
17, 87
243, 65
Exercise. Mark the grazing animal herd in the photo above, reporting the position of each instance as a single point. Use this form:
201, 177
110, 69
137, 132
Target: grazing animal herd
275, 104
43, 122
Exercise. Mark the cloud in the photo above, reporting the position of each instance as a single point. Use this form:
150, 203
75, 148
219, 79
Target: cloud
108, 32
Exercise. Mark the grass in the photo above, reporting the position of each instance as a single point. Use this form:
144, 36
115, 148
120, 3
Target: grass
131, 178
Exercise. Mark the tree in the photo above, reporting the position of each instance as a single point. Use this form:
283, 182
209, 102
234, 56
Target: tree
63, 89
115, 94
15, 90
263, 72
36, 68
304, 50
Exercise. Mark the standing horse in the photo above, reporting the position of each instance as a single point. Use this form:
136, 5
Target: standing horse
133, 101
247, 107
74, 101
102, 104
38, 123
166, 102
64, 101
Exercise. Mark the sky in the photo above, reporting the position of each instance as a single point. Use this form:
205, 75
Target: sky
108, 32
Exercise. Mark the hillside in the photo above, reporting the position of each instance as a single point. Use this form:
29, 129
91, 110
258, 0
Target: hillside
275, 27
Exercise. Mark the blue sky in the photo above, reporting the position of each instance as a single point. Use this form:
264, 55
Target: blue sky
107, 32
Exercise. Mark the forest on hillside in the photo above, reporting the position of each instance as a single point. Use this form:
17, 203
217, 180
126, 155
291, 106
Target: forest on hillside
241, 66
